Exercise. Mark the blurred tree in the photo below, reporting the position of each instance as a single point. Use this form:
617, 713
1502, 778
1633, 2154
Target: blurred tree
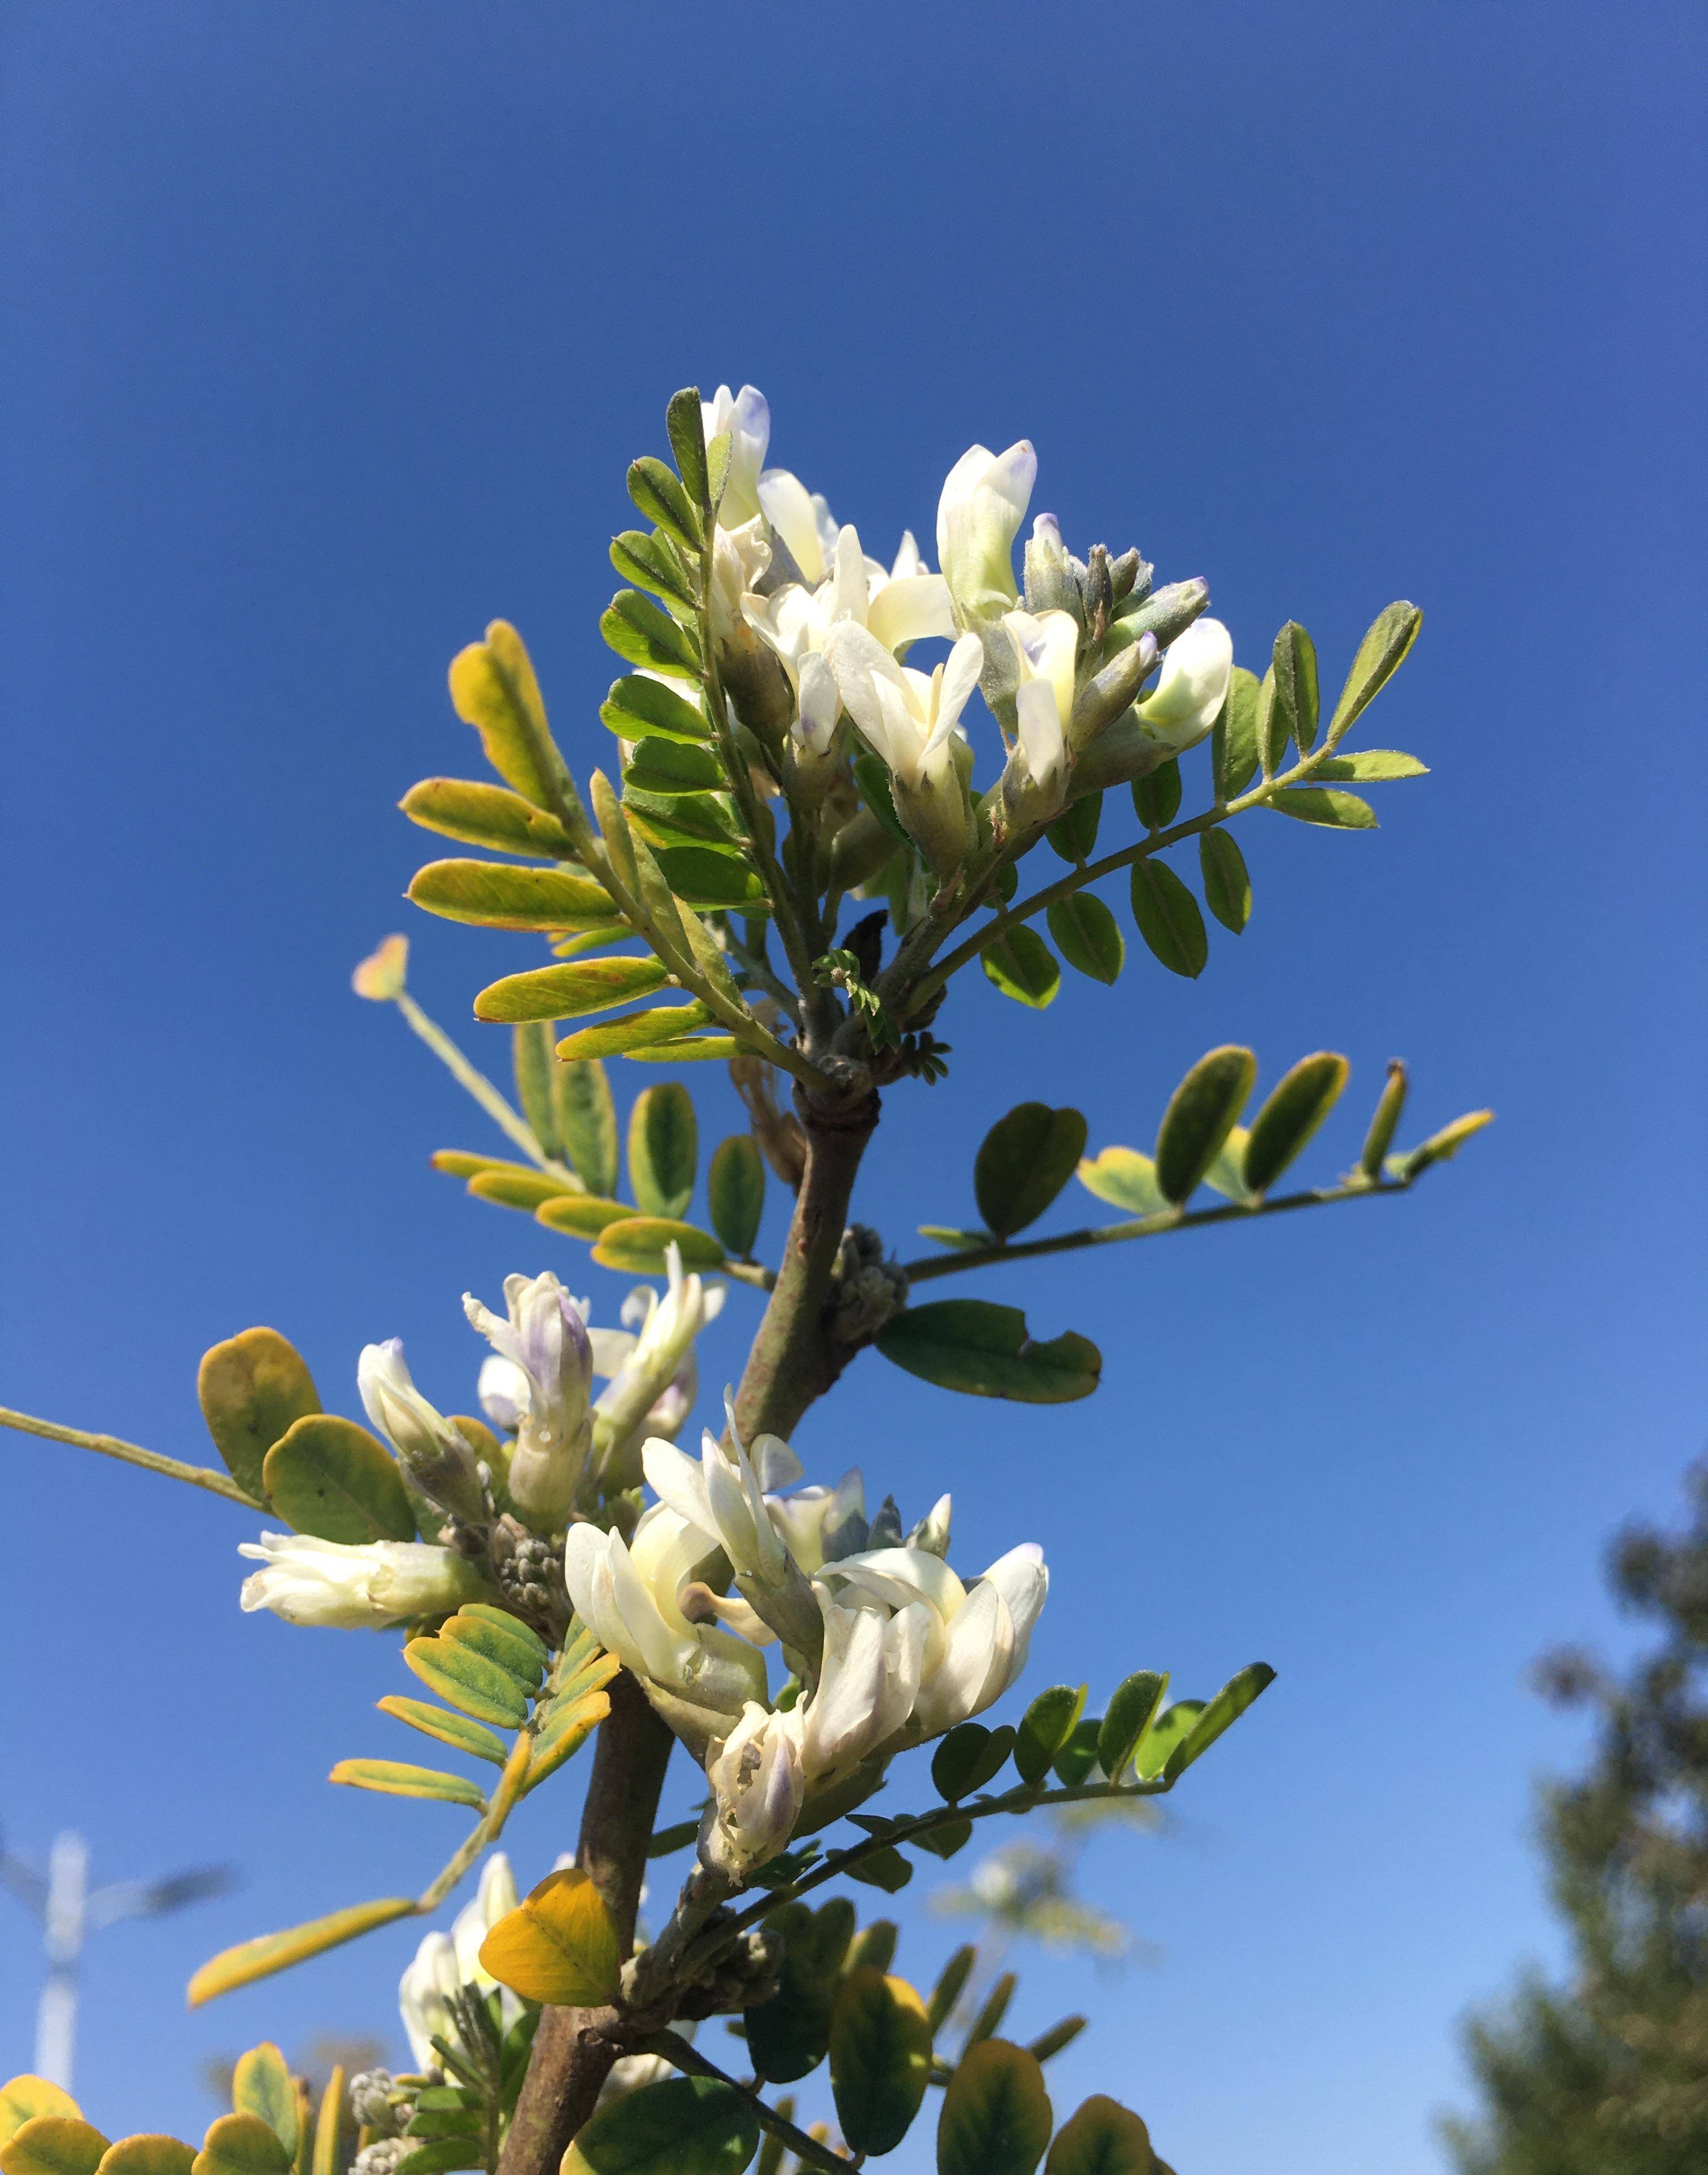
1607, 2075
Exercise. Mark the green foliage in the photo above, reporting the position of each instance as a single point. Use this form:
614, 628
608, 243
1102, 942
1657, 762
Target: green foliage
968, 1344
1202, 1111
252, 1388
1024, 1162
880, 2058
1291, 1115
684, 2126
664, 1150
1087, 936
1020, 964
497, 895
586, 1121
330, 1478
996, 2116
1168, 919
736, 1193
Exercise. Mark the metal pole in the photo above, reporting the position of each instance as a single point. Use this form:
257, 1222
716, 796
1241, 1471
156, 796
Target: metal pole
64, 1922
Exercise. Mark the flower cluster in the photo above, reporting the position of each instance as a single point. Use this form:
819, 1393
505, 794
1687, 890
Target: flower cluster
1062, 666
888, 1646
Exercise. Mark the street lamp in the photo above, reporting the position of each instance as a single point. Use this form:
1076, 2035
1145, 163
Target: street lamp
69, 1912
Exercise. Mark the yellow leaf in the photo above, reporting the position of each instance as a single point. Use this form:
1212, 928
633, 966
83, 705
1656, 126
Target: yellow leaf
148, 2153
381, 975
559, 1945
22, 2098
240, 2144
53, 2145
272, 1952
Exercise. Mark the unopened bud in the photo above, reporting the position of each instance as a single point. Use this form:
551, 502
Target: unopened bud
432, 1450
1167, 614
1103, 698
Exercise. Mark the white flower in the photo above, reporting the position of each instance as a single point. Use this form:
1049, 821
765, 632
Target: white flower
869, 1680
433, 1451
758, 1783
1193, 687
652, 1373
747, 416
424, 1998
350, 1588
496, 1898
628, 1599
1044, 649
722, 1496
802, 520
978, 516
811, 1519
546, 1337
976, 1642
912, 722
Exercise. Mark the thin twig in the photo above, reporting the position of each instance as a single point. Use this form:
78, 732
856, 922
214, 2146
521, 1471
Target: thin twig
681, 2055
1143, 1227
109, 1445
476, 1084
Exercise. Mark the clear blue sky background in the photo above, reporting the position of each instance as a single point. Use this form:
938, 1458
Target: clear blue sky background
333, 329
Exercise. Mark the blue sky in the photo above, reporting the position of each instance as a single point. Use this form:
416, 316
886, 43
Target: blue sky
333, 330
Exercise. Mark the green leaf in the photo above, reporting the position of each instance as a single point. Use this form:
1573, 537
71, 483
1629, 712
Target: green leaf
880, 2058
1024, 1162
443, 2155
693, 820
1234, 744
1384, 1120
1221, 1714
1078, 1756
240, 2144
951, 1982
683, 2126
1295, 686
637, 708
1087, 936
637, 1244
872, 777
1296, 1106
664, 1150
968, 1757
788, 2035
949, 1235
650, 562
1369, 766
525, 1190
330, 1478
560, 1945
569, 991
396, 1778
1381, 655
534, 1065
735, 1189
471, 1681
1157, 795
1058, 2037
493, 688
261, 2086
1272, 725
273, 1952
1021, 966
501, 1638
633, 625
970, 1345
885, 1869
660, 497
497, 895
873, 1948
1227, 886
456, 1729
996, 2117
582, 1215
1044, 1727
701, 875
1202, 1111
1441, 1147
1324, 805
1101, 2137
252, 1387
989, 2020
586, 1124
1168, 919
616, 1037
684, 423
690, 1050
1074, 833
1126, 1179
945, 1840
54, 2145
1131, 1709
482, 815
671, 768
1158, 1744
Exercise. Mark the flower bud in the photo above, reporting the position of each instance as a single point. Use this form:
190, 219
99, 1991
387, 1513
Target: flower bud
1053, 574
424, 1998
1167, 615
545, 1337
758, 1786
978, 516
1104, 697
337, 1587
657, 1365
432, 1450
